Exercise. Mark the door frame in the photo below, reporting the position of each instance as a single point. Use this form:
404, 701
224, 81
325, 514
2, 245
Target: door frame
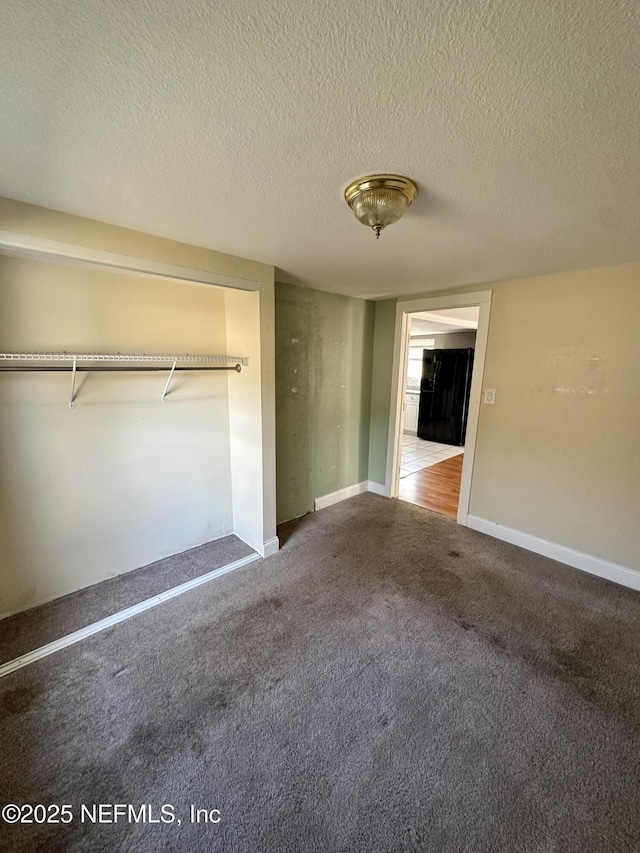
404, 309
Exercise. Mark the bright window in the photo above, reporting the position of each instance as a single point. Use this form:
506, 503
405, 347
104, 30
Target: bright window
414, 370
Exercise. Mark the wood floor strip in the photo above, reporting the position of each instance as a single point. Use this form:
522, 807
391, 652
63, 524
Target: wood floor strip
436, 488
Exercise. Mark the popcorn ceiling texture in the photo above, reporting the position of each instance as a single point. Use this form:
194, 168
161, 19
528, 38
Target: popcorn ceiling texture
237, 126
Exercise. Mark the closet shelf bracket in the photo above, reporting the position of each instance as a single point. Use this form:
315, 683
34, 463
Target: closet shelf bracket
166, 387
74, 369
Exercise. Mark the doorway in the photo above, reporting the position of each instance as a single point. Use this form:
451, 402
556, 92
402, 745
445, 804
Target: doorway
433, 467
437, 389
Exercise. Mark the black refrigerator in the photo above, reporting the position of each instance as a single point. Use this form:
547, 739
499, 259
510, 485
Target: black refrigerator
444, 395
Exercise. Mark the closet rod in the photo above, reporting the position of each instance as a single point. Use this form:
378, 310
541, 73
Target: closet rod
31, 362
27, 368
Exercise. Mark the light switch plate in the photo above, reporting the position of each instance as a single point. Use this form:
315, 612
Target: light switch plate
490, 396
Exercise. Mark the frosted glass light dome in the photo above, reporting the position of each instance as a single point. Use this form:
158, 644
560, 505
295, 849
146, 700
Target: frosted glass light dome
380, 200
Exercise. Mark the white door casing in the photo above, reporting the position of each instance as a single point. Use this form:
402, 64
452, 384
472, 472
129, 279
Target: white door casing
404, 308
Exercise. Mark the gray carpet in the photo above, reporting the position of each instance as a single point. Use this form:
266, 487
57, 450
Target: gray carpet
40, 625
388, 682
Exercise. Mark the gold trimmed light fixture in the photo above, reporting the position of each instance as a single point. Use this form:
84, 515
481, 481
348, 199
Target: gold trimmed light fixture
380, 200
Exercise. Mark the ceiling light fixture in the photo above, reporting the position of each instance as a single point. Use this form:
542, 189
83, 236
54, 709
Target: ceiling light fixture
380, 200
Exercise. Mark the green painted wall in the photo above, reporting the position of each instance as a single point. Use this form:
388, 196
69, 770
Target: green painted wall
324, 349
384, 329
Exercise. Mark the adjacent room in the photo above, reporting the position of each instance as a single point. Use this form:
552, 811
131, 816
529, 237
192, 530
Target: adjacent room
316, 536
439, 369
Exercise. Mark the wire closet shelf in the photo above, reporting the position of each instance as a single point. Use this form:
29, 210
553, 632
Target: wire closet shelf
86, 362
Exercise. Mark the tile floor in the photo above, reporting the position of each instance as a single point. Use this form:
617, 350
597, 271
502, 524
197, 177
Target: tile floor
418, 454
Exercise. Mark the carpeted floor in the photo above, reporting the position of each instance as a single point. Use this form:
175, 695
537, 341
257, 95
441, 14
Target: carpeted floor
30, 629
389, 681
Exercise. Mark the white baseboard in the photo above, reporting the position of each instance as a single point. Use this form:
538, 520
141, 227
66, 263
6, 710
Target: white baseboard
271, 547
350, 492
378, 489
576, 559
120, 616
38, 602
340, 495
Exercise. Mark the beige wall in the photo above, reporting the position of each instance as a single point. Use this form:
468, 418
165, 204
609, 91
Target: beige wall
76, 230
122, 479
556, 456
251, 419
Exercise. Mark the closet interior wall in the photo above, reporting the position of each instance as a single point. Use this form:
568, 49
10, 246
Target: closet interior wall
122, 479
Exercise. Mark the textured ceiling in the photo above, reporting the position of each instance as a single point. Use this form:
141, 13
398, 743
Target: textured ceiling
237, 126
